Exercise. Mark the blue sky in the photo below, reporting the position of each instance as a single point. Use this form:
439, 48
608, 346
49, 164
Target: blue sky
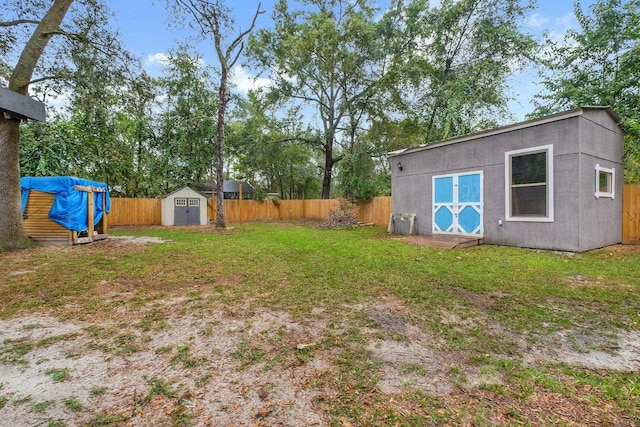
146, 31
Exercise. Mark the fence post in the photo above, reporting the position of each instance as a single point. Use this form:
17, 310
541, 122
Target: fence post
240, 204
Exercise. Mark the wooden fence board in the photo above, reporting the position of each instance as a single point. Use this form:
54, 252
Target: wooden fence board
376, 211
631, 214
129, 211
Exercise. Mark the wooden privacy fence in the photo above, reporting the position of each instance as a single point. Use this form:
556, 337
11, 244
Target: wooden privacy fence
127, 211
631, 214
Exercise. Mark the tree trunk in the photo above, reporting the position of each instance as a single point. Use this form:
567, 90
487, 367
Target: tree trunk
23, 71
220, 223
11, 227
328, 168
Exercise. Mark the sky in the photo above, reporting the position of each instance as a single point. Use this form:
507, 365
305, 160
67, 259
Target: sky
148, 31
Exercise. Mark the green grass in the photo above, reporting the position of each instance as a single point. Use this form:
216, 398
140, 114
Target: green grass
57, 374
73, 403
470, 302
41, 407
98, 391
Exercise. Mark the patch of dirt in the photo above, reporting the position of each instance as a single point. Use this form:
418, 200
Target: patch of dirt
199, 366
618, 353
133, 240
154, 364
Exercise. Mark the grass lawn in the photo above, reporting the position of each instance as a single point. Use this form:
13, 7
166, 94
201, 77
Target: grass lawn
291, 324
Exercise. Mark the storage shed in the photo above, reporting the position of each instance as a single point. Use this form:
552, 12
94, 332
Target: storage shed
64, 209
184, 207
551, 183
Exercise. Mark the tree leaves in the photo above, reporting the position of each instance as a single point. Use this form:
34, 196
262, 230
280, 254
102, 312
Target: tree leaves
599, 64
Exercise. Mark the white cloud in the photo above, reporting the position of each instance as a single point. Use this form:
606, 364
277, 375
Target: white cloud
537, 22
156, 59
244, 81
561, 25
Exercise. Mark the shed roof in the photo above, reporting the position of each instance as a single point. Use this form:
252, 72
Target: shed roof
504, 129
184, 188
234, 187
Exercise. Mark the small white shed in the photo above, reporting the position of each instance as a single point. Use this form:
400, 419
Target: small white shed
184, 207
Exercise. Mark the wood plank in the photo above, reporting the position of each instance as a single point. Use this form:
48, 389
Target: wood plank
37, 225
631, 214
90, 214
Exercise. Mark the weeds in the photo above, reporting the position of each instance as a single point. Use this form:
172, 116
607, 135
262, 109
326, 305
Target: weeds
248, 354
73, 403
41, 407
183, 357
106, 419
58, 374
159, 387
98, 391
13, 351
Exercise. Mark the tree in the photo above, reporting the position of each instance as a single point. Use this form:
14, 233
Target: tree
187, 122
599, 64
267, 149
102, 130
356, 178
452, 62
212, 19
325, 56
11, 226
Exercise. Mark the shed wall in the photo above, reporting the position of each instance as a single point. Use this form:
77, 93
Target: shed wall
601, 142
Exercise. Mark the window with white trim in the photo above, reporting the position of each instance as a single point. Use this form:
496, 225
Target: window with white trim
529, 184
605, 182
181, 202
194, 202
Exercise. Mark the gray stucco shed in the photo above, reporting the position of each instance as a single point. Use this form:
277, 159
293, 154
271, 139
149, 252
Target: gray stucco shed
551, 183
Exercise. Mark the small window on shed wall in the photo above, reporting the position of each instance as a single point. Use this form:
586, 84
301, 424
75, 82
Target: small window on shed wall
194, 202
180, 202
605, 182
529, 184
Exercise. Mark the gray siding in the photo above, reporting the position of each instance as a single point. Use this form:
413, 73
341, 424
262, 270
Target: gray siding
602, 142
581, 222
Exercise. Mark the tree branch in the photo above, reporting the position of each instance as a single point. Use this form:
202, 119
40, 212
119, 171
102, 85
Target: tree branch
45, 78
18, 22
238, 40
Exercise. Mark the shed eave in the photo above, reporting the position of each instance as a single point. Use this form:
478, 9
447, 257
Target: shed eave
504, 129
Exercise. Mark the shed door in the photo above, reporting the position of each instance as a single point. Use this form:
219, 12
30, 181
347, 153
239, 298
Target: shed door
457, 204
186, 211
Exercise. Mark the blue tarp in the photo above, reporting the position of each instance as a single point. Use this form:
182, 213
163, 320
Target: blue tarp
70, 208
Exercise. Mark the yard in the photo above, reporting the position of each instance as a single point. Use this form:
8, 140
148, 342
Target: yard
291, 324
